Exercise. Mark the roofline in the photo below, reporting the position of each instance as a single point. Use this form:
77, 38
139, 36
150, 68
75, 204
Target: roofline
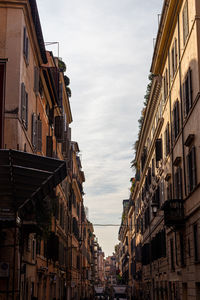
38, 29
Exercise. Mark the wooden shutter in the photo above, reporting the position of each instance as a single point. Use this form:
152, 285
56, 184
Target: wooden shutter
60, 104
26, 110
177, 118
39, 131
185, 22
180, 192
51, 116
36, 80
158, 147
190, 172
184, 98
27, 49
157, 196
23, 103
34, 131
65, 145
59, 128
49, 146
24, 41
168, 139
194, 171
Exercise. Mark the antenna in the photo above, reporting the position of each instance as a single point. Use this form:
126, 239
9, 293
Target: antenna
159, 19
154, 42
52, 43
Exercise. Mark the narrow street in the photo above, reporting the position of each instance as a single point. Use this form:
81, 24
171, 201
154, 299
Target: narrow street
99, 167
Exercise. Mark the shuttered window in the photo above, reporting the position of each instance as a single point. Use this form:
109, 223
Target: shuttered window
51, 116
182, 248
34, 131
36, 80
65, 145
26, 45
191, 170
178, 183
59, 128
24, 106
175, 115
60, 95
39, 132
187, 92
158, 147
185, 22
49, 146
172, 254
174, 56
165, 84
143, 157
167, 140
196, 243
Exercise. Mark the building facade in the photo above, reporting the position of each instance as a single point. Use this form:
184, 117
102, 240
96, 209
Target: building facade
46, 241
164, 201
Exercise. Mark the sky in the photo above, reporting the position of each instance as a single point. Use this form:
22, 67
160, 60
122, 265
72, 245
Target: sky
107, 46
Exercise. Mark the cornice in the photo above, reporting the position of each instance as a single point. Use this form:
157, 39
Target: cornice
168, 21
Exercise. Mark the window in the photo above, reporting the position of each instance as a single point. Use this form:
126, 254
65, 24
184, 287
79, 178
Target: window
36, 132
59, 128
178, 183
196, 247
24, 106
158, 147
174, 55
175, 116
49, 146
26, 45
185, 22
182, 249
167, 140
172, 254
36, 80
169, 191
143, 158
152, 168
165, 84
39, 133
187, 92
33, 249
60, 96
191, 169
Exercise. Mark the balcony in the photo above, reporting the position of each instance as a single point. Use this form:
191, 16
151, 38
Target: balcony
174, 213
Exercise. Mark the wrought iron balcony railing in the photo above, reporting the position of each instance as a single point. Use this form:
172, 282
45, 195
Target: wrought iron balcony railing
174, 213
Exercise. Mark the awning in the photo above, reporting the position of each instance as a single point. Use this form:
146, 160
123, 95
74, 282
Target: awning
27, 177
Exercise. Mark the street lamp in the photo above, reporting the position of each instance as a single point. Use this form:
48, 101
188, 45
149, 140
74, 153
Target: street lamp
154, 207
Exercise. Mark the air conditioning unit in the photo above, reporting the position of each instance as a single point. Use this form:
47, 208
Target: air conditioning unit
4, 269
